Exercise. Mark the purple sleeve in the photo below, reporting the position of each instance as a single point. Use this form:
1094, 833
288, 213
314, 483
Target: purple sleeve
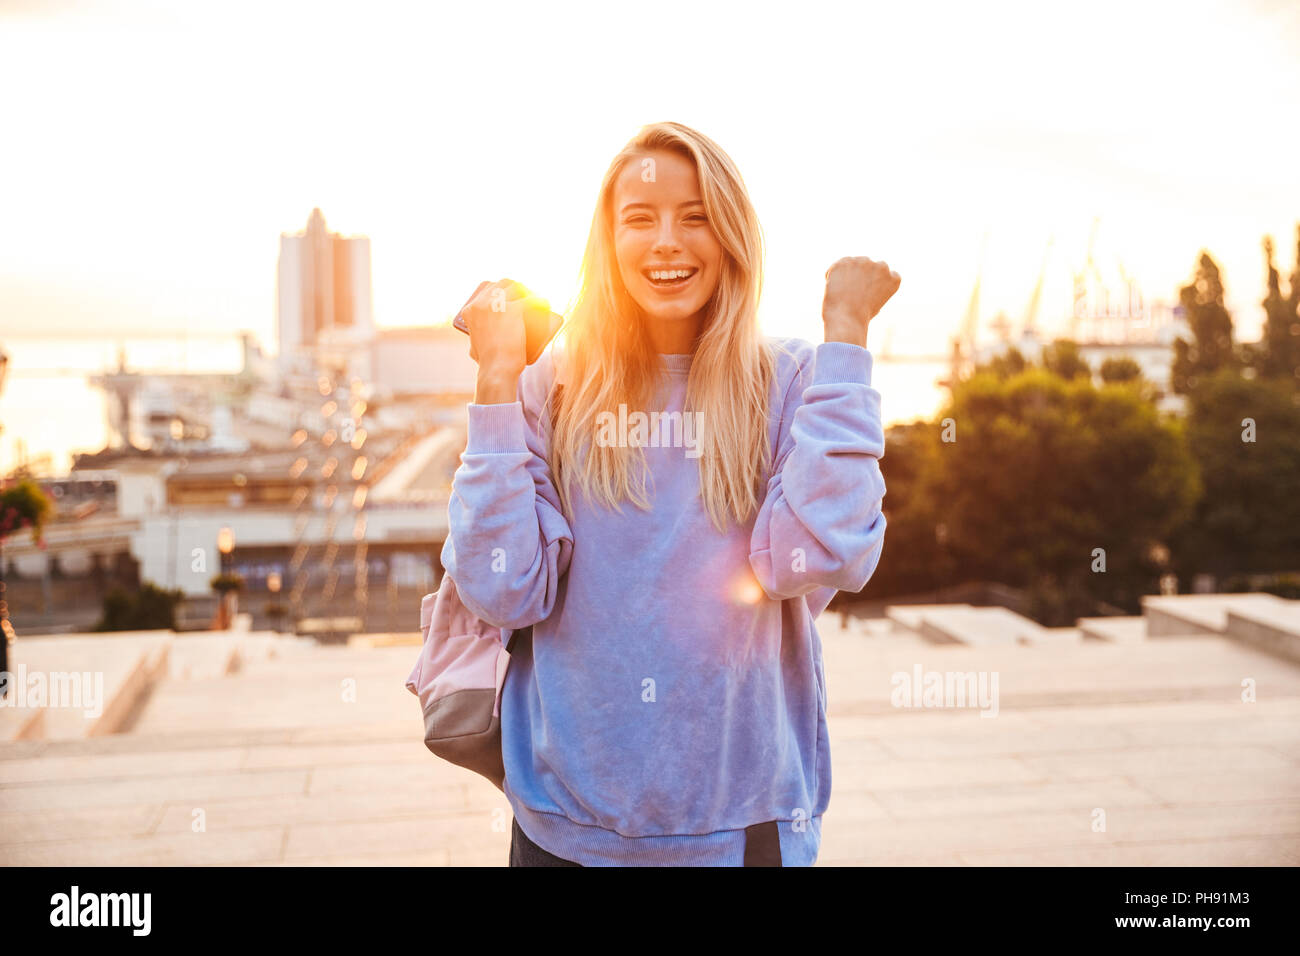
821, 525
508, 543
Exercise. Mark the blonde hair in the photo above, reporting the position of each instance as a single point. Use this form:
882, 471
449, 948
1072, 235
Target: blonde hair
608, 357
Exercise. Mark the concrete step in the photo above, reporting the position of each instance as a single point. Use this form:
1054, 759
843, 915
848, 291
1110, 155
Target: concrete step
981, 627
1115, 630
910, 616
321, 687
1054, 636
1270, 627
79, 685
975, 626
879, 632
196, 655
125, 665
284, 770
1185, 614
1093, 672
1263, 621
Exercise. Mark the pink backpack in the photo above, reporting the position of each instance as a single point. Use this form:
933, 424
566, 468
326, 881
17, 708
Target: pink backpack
458, 677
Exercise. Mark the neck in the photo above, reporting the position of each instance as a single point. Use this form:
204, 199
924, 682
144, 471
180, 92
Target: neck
674, 337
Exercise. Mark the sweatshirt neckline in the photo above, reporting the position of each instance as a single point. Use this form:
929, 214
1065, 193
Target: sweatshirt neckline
672, 362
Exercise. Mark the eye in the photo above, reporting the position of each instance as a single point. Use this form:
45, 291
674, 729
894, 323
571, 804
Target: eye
697, 218
635, 220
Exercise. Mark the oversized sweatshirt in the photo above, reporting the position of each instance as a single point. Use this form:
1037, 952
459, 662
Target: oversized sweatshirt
672, 692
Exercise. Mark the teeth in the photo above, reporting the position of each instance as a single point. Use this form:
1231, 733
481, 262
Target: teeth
673, 274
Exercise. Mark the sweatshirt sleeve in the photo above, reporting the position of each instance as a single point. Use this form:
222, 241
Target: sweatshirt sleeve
821, 527
508, 543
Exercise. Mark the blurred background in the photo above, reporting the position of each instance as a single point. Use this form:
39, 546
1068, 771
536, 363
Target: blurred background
232, 237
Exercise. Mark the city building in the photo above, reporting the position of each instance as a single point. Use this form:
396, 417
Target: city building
323, 290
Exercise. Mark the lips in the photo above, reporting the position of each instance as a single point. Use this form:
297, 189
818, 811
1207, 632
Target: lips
670, 278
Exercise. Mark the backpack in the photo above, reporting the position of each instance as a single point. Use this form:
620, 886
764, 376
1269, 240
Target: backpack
459, 676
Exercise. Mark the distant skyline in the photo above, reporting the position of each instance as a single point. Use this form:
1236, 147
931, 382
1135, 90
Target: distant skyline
156, 152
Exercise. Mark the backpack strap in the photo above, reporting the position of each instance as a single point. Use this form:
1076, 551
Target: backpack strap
528, 631
514, 636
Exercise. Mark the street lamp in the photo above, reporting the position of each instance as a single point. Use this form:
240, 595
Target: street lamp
226, 594
225, 544
273, 584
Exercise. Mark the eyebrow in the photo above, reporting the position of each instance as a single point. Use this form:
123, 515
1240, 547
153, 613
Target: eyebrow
646, 205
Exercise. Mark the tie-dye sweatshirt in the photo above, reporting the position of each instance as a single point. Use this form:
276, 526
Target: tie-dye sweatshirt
672, 692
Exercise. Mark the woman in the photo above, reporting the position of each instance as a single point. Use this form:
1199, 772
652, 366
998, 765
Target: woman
668, 707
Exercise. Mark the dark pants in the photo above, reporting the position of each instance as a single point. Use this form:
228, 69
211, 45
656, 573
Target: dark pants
762, 848
524, 852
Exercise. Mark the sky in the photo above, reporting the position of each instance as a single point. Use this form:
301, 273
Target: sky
153, 153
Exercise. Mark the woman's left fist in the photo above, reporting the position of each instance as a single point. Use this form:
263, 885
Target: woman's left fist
856, 289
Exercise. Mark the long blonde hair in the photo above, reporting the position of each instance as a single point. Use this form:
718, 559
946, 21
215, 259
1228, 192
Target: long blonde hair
608, 357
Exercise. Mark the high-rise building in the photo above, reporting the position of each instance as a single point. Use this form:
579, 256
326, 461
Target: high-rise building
323, 289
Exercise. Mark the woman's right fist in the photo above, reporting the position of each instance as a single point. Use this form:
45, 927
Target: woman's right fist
497, 335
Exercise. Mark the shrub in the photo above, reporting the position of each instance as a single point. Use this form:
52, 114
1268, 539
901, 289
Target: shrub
148, 609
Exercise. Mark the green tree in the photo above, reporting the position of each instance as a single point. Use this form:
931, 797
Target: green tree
1062, 358
1245, 433
150, 608
23, 505
1211, 347
1120, 368
1043, 471
1009, 363
1021, 479
1279, 354
913, 558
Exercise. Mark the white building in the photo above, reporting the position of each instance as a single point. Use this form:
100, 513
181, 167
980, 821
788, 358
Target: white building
323, 288
428, 360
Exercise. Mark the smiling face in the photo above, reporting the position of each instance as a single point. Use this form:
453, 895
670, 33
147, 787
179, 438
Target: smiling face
668, 256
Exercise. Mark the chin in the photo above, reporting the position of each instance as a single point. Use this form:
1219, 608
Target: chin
679, 314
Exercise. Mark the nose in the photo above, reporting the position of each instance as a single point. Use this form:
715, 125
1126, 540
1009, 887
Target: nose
666, 239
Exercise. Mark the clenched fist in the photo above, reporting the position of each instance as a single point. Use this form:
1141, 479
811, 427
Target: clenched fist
856, 289
495, 317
